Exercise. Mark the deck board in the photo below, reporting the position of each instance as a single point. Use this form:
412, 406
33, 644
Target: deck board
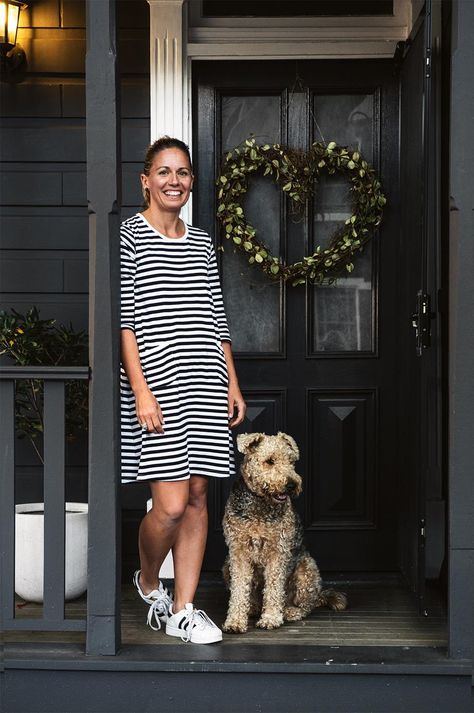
380, 613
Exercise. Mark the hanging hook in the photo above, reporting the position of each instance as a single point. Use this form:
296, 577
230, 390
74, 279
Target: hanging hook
298, 85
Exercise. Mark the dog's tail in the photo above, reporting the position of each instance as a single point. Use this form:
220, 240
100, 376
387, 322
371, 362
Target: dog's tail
333, 599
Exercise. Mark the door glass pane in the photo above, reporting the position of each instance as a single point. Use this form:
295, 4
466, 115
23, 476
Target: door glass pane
342, 314
252, 300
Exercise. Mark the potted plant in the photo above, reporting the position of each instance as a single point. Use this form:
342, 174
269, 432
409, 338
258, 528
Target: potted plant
30, 341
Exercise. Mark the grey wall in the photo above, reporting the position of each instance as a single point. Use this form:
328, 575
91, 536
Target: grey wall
461, 338
43, 210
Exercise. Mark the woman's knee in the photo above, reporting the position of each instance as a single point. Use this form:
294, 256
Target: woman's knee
169, 503
198, 492
170, 513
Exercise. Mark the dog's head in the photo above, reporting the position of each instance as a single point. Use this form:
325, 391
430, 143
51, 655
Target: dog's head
268, 466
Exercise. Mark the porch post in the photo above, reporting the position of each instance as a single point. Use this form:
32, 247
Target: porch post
461, 338
169, 75
104, 200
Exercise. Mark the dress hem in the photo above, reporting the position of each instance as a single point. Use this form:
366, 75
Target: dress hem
170, 480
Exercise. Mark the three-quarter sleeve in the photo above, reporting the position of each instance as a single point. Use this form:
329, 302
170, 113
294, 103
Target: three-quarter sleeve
217, 298
127, 280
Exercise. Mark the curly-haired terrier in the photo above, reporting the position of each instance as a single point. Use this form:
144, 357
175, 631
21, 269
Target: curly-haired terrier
268, 570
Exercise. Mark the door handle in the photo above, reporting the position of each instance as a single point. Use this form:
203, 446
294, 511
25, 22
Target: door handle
421, 322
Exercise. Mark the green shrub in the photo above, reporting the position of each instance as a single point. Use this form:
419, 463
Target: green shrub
31, 341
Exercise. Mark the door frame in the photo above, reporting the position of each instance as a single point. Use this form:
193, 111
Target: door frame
171, 112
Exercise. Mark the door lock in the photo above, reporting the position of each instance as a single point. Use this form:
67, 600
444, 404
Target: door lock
421, 322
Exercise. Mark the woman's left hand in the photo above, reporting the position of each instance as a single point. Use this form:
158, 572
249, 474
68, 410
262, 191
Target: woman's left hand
235, 400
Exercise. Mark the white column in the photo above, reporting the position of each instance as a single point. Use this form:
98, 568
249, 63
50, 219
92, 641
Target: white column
169, 100
169, 108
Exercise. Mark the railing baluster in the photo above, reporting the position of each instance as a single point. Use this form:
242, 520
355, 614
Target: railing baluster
7, 501
54, 497
54, 501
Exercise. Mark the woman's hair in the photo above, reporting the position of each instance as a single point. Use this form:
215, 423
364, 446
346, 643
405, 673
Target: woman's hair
164, 142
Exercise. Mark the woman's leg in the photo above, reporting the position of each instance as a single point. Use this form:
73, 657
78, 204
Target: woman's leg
190, 543
159, 528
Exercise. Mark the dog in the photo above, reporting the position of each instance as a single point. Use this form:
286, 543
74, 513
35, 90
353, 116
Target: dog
268, 570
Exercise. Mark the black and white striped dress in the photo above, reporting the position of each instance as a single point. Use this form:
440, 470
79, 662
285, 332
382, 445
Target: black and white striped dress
171, 298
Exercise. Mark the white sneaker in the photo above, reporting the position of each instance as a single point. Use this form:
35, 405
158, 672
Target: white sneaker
192, 625
160, 601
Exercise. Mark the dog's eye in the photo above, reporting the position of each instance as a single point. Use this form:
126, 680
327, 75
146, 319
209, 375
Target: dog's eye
270, 461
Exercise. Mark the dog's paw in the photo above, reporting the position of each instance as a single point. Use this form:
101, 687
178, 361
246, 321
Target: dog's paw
293, 614
267, 621
233, 626
335, 600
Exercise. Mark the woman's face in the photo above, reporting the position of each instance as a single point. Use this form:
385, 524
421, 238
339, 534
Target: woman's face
170, 180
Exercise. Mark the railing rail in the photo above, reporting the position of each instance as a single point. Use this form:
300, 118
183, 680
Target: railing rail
53, 618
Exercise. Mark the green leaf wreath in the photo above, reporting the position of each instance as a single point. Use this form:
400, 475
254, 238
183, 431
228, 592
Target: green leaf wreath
297, 173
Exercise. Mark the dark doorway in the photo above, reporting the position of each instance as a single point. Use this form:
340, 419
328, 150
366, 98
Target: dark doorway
324, 363
320, 364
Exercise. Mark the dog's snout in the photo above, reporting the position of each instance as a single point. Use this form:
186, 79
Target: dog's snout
291, 486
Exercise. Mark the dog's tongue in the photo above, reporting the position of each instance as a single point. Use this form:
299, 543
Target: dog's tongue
281, 497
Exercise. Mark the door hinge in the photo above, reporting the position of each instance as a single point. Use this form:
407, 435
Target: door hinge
421, 321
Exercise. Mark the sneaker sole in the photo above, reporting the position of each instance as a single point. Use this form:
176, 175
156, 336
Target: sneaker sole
175, 631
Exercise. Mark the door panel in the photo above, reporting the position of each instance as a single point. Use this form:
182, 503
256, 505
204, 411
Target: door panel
341, 427
320, 362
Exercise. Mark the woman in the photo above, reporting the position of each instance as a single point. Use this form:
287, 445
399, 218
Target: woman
179, 387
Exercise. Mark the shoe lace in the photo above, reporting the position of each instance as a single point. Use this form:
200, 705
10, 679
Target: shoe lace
157, 607
197, 619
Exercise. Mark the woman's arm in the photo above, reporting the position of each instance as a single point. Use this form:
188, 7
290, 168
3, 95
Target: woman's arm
148, 408
216, 292
131, 361
234, 398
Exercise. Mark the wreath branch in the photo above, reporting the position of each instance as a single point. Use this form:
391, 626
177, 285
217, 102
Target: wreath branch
297, 172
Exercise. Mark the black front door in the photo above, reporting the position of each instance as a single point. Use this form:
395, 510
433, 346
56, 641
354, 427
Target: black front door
320, 363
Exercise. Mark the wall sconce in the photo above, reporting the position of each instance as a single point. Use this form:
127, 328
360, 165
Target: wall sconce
11, 57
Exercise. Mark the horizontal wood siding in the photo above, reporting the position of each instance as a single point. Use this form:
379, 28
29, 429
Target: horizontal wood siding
43, 202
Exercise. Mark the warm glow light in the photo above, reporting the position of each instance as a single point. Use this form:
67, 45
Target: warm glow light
13, 17
9, 16
3, 20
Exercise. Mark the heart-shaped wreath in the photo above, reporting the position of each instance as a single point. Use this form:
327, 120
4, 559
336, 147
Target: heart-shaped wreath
296, 172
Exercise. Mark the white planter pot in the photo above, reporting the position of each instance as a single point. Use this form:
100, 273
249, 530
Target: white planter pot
29, 550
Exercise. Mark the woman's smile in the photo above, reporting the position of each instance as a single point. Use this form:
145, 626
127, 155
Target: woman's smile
173, 193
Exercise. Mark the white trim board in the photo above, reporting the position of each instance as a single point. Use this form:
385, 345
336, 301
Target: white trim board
294, 50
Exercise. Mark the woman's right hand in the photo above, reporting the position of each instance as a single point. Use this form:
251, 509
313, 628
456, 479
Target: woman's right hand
149, 410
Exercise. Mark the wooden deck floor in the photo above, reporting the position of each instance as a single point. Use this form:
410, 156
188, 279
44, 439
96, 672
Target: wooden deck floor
381, 612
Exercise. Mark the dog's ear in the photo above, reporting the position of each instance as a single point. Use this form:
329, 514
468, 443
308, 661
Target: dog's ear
291, 442
248, 441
